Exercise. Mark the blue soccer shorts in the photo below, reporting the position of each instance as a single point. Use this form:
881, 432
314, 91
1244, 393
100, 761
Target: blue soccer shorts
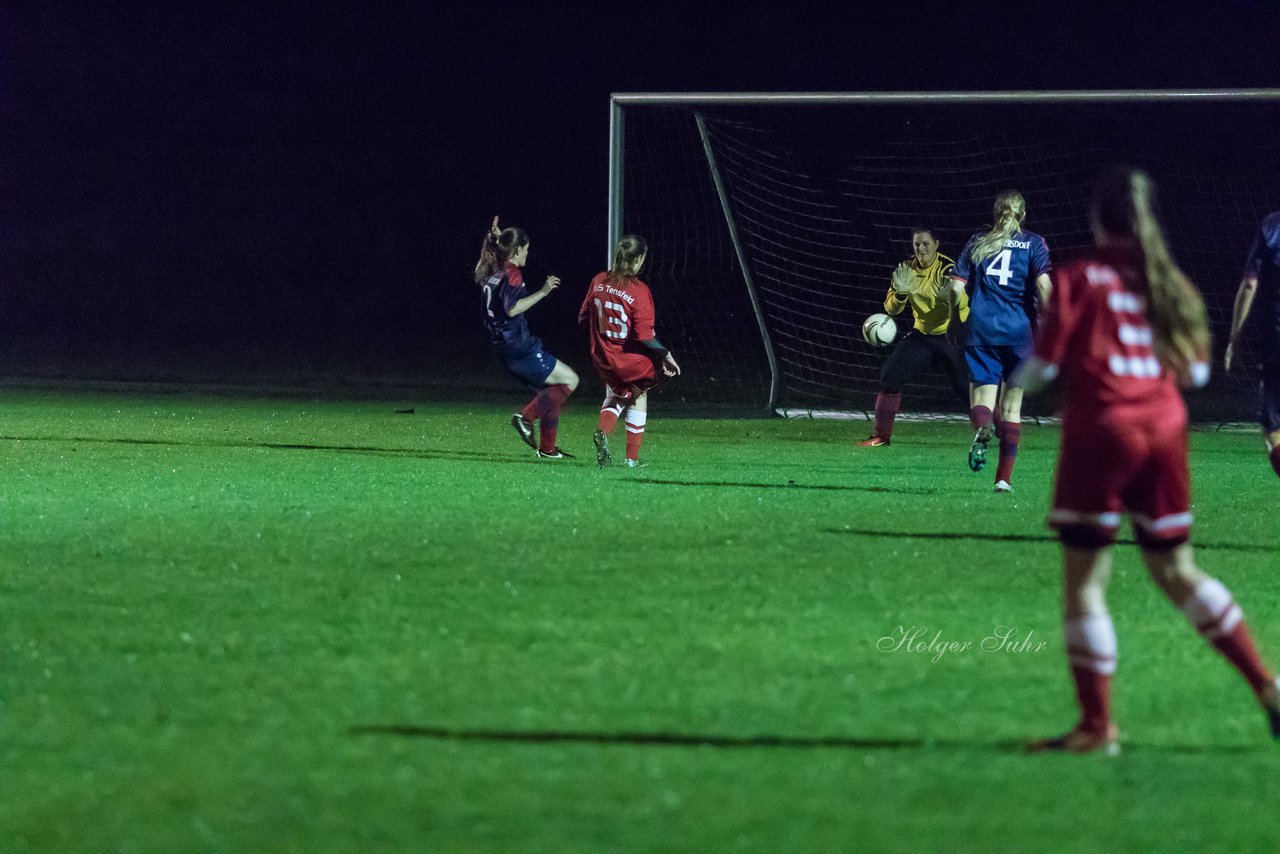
531, 367
992, 364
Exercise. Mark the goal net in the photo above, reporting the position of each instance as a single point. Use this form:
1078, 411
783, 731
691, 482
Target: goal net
775, 221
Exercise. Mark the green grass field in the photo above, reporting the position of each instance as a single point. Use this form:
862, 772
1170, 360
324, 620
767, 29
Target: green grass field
234, 624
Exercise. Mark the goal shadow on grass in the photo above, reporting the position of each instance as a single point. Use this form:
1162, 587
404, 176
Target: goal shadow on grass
1028, 538
667, 739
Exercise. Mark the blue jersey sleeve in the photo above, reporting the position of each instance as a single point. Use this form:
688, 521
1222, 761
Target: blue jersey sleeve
511, 294
963, 268
1040, 264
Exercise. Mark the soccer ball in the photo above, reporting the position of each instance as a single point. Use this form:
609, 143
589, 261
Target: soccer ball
879, 330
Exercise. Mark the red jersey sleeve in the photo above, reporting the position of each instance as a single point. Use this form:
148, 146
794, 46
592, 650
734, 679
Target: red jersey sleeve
585, 313
1060, 317
642, 312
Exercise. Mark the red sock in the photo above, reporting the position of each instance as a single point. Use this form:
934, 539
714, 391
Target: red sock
1010, 432
635, 432
1237, 647
979, 416
1093, 693
1275, 459
886, 409
554, 397
1091, 652
611, 409
533, 408
1215, 615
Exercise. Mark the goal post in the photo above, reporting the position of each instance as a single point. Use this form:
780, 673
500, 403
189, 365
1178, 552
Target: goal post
774, 219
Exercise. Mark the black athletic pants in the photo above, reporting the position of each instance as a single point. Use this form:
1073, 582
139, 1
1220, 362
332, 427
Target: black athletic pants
916, 352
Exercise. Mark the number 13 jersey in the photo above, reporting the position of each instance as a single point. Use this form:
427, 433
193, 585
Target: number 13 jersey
619, 314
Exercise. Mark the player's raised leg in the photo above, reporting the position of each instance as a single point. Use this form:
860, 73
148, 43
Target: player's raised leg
982, 400
547, 404
1212, 611
610, 410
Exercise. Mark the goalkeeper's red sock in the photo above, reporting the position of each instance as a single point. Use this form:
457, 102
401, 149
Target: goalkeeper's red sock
635, 432
886, 410
1009, 432
554, 398
1275, 459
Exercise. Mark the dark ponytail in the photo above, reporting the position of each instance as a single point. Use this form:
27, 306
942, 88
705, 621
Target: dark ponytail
496, 249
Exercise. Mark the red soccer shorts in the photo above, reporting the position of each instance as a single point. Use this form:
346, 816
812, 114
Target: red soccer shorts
1134, 464
634, 373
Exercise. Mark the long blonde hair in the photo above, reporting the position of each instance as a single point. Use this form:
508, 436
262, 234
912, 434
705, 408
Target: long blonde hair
1010, 210
631, 248
1124, 205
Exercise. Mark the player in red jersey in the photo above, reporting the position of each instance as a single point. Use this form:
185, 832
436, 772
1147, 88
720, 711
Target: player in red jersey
501, 281
1124, 328
618, 312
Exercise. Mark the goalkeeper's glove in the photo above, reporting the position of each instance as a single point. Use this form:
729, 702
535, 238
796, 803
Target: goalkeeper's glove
904, 280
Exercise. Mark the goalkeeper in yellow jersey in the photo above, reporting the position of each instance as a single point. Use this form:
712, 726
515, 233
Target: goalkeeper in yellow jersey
922, 283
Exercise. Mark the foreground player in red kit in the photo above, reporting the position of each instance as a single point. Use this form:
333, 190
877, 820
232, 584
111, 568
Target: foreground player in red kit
1124, 328
501, 281
618, 312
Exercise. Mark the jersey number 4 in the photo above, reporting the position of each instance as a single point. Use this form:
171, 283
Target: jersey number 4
999, 267
612, 319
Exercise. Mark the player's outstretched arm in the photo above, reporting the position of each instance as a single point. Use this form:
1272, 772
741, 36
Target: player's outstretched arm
1239, 314
523, 304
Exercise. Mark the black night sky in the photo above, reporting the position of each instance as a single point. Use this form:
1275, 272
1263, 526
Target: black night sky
285, 191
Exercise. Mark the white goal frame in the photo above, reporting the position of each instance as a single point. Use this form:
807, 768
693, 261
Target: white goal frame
619, 101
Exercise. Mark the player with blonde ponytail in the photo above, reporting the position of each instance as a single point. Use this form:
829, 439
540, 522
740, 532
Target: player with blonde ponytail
618, 314
1124, 327
1006, 270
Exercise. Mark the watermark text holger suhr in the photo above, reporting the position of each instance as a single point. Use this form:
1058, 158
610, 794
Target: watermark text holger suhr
918, 639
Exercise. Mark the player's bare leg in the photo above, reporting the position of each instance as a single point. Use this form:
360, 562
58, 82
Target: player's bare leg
1091, 651
615, 403
1211, 610
982, 400
1009, 430
636, 417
